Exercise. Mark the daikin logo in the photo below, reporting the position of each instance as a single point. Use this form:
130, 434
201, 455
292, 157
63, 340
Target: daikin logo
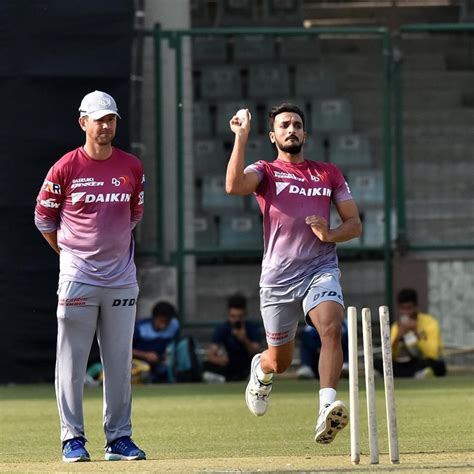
281, 186
108, 197
293, 189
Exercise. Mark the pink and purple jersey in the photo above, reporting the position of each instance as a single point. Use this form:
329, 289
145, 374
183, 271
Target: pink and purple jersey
287, 194
93, 205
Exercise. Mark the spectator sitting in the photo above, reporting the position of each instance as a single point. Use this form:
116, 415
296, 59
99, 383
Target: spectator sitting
152, 336
310, 347
417, 347
234, 344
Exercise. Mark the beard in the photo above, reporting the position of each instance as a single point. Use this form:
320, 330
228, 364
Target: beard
293, 148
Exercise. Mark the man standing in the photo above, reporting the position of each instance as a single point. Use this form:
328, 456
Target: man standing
234, 343
300, 267
89, 203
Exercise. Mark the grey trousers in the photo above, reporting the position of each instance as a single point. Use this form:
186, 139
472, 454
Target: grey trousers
84, 310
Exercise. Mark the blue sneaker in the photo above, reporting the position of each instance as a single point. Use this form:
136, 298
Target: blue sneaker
74, 450
124, 449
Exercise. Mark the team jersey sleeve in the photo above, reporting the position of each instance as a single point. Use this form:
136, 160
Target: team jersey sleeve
138, 196
258, 168
49, 201
341, 191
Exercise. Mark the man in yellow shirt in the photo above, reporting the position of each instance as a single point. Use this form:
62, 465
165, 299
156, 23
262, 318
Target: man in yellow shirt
417, 346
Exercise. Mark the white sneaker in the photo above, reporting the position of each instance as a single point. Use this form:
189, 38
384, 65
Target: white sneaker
332, 419
257, 393
305, 372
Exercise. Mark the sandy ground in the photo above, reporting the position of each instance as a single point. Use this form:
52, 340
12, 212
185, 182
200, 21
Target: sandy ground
426, 462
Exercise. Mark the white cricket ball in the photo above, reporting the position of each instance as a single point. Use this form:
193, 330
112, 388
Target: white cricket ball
241, 114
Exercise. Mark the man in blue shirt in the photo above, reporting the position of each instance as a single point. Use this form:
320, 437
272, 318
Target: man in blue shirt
234, 343
152, 336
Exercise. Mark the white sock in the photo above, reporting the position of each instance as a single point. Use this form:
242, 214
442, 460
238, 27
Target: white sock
326, 397
262, 376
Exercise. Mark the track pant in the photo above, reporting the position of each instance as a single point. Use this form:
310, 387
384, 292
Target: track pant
84, 310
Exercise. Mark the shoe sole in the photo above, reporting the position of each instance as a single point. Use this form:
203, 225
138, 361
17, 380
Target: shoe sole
79, 459
336, 420
120, 457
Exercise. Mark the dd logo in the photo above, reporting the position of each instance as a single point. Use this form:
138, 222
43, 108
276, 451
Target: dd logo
126, 302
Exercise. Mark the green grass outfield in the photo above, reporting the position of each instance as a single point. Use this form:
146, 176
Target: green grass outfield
207, 428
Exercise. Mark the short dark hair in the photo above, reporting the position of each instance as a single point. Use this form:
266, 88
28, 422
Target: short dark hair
279, 109
163, 308
237, 301
407, 295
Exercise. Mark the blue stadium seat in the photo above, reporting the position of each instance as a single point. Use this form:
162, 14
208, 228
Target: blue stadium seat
205, 231
350, 150
202, 125
270, 80
331, 115
299, 48
367, 186
242, 231
254, 48
315, 81
214, 196
220, 82
226, 110
283, 12
209, 49
210, 157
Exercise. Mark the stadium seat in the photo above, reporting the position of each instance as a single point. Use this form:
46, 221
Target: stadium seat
350, 150
205, 231
299, 48
283, 12
314, 148
209, 49
254, 48
367, 186
315, 80
220, 82
226, 110
259, 147
200, 13
268, 80
210, 157
214, 195
242, 231
373, 234
236, 13
202, 125
331, 115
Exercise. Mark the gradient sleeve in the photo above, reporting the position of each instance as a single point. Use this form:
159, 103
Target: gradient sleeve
138, 196
49, 201
341, 191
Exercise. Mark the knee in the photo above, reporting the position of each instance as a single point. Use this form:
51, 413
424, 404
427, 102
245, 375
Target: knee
331, 331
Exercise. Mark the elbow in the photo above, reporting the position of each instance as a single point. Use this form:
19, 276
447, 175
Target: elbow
230, 188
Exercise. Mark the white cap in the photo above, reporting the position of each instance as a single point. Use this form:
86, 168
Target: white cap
98, 104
